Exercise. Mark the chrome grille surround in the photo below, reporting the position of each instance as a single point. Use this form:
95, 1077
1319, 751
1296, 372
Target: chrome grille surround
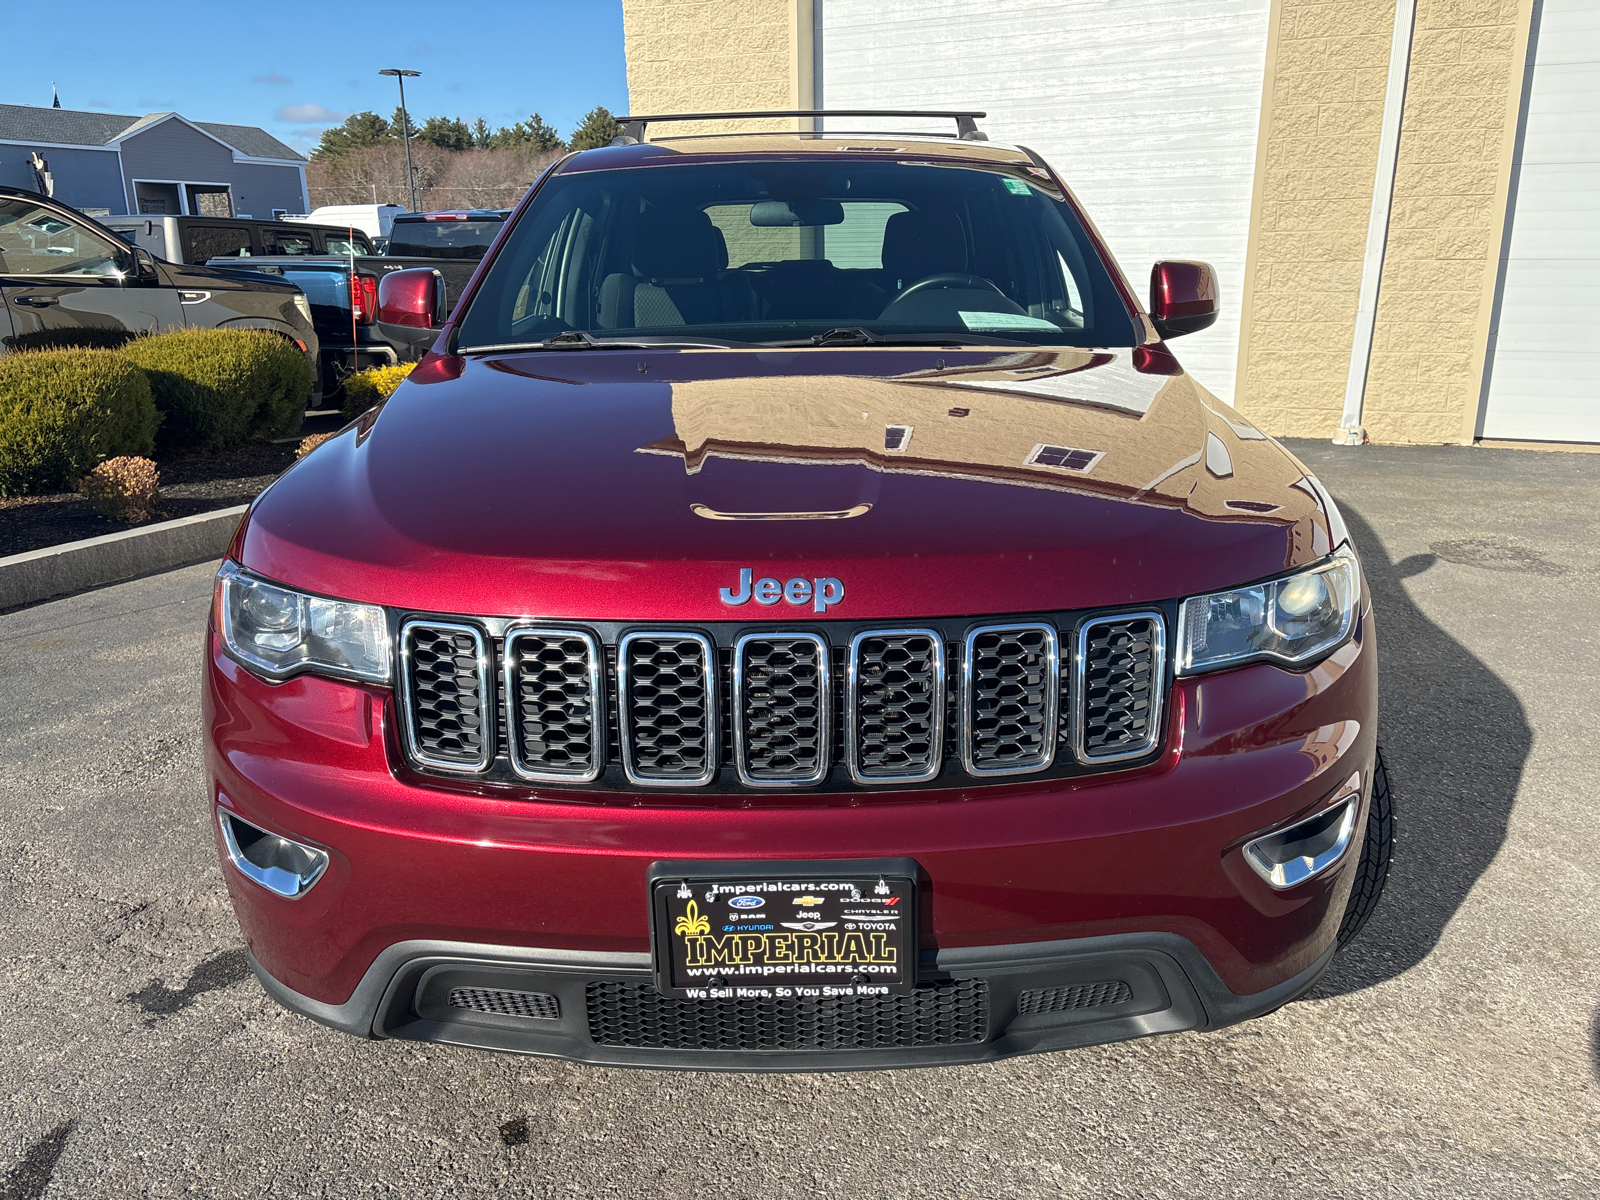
555, 686
1124, 676
884, 726
1009, 698
699, 689
481, 671
782, 710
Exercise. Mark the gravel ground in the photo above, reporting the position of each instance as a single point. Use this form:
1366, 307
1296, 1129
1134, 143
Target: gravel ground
189, 486
1453, 1050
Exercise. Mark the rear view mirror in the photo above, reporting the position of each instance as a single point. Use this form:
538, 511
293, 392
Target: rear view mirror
1183, 297
413, 298
776, 214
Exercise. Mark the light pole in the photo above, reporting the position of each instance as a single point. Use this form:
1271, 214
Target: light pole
400, 77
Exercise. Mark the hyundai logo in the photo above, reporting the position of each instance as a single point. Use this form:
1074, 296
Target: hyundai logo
746, 902
820, 593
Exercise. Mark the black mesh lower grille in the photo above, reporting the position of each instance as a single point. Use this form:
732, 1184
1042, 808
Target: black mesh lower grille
446, 689
946, 1014
1120, 687
783, 719
667, 707
1077, 995
555, 703
538, 1005
899, 706
1011, 697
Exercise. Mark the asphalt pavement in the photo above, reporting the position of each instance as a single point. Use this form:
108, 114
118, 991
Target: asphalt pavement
1453, 1050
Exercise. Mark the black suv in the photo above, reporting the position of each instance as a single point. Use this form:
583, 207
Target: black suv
63, 274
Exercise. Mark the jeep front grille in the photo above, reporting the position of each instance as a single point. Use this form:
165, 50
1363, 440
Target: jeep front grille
742, 709
446, 678
782, 718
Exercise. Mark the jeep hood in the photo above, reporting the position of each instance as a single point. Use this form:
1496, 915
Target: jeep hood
633, 485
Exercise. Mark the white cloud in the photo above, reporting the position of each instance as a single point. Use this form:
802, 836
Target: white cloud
305, 114
270, 77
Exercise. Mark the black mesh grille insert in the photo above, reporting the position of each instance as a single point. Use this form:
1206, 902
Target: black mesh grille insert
782, 720
507, 1004
632, 1014
1077, 995
668, 715
556, 703
1121, 682
899, 705
1011, 695
446, 694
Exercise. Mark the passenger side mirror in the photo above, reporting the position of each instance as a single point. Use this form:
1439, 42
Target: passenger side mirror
1183, 297
413, 298
144, 263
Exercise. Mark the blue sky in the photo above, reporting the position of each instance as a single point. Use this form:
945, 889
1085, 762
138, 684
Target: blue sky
294, 69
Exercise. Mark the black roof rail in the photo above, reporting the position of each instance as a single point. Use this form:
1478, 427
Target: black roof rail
633, 127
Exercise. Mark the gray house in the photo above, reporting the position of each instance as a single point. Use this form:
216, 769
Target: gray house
157, 163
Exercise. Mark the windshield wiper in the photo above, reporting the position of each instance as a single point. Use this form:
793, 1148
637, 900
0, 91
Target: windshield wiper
577, 339
862, 337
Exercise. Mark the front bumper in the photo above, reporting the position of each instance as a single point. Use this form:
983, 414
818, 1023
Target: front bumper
982, 1004
1134, 876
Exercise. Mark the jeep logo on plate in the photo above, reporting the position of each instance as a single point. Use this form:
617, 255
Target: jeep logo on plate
820, 593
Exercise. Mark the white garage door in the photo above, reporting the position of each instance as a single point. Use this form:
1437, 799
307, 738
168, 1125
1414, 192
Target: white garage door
1544, 381
1148, 108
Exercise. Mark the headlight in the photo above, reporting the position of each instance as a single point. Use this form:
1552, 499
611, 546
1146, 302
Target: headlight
1290, 620
281, 632
303, 305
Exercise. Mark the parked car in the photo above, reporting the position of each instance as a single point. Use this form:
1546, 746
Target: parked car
63, 273
372, 219
449, 235
343, 292
196, 240
799, 614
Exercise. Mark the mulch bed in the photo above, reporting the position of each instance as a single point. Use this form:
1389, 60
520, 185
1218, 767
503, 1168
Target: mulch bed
189, 486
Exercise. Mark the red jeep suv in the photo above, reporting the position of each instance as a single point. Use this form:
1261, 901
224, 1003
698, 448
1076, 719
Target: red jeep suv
798, 615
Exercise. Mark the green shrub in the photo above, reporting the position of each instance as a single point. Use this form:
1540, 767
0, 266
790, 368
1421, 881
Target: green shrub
366, 388
63, 411
217, 387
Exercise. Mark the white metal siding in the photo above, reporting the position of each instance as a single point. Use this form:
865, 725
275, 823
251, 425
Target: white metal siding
1149, 109
1545, 377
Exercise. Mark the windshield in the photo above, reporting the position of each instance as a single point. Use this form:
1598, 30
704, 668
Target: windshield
442, 238
784, 251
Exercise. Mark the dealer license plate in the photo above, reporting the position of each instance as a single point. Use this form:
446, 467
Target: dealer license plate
785, 935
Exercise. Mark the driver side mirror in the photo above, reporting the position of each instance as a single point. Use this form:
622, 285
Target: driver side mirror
1183, 297
414, 298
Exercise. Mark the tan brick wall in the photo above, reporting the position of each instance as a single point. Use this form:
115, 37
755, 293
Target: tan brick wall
712, 56
1446, 220
1322, 112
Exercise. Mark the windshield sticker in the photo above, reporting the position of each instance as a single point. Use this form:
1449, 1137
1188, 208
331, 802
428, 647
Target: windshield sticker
996, 322
1016, 187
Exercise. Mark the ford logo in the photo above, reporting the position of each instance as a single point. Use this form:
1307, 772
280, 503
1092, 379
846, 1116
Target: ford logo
746, 902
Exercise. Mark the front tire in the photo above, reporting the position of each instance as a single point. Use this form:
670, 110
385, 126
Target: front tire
1377, 852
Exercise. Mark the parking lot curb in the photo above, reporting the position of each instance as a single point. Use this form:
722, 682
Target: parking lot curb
74, 566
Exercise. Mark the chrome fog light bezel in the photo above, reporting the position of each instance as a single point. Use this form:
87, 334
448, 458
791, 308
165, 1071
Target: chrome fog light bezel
1281, 871
280, 878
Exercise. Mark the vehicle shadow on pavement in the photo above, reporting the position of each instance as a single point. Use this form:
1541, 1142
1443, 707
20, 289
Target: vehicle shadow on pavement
1455, 738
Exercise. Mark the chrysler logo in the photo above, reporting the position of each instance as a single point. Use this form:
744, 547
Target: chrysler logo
819, 593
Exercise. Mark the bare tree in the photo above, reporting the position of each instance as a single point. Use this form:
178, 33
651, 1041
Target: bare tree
487, 178
375, 174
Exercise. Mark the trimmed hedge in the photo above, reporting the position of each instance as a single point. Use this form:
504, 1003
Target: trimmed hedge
217, 387
72, 337
63, 411
366, 388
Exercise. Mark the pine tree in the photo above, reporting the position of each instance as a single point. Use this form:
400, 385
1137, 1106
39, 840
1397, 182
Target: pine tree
448, 133
399, 120
482, 135
597, 129
359, 130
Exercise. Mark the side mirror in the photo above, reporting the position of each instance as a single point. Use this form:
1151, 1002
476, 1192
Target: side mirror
144, 264
413, 298
1183, 297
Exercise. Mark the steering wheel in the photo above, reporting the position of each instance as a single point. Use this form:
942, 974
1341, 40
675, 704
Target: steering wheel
947, 279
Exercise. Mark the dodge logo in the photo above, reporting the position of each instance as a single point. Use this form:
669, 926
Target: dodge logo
819, 593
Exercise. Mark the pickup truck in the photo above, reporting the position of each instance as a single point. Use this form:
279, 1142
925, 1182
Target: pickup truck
199, 239
343, 290
343, 294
